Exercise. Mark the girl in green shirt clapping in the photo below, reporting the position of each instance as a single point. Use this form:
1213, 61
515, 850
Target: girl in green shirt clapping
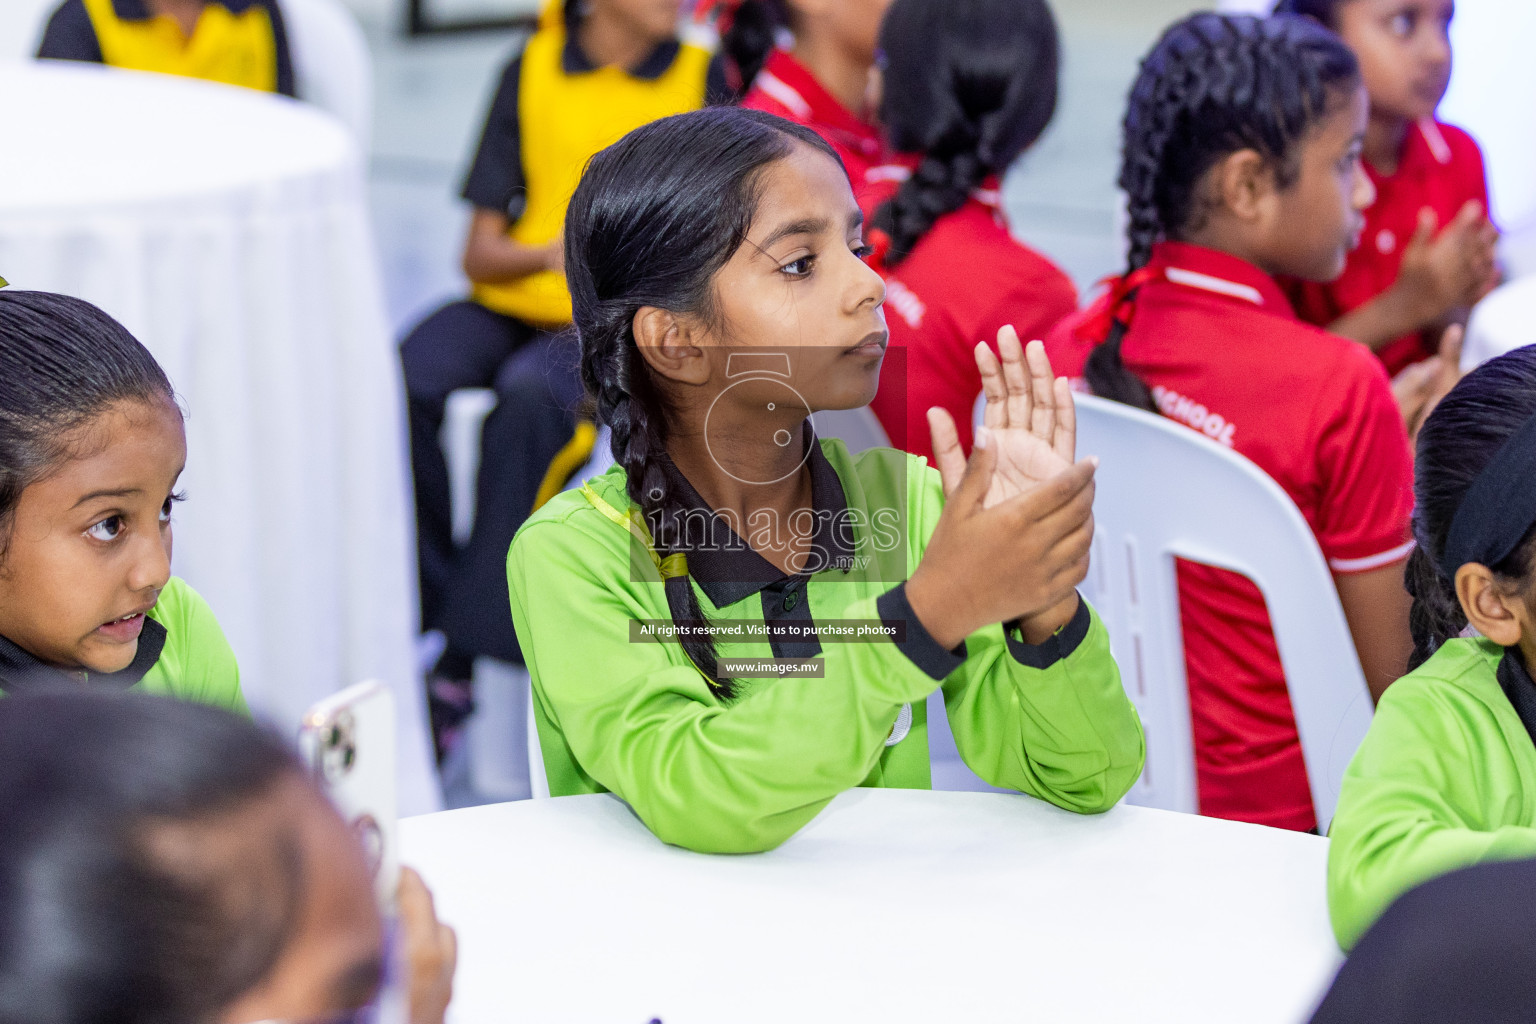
740, 621
91, 447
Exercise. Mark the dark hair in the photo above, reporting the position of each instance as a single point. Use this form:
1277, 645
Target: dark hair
1325, 11
656, 215
969, 84
1458, 439
98, 923
749, 37
63, 362
1211, 86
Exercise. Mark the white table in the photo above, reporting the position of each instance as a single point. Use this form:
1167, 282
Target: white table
227, 230
891, 905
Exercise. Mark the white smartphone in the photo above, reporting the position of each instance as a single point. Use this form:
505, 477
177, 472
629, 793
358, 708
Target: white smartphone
348, 741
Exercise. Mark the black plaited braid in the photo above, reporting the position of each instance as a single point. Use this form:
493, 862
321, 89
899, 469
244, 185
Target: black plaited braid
750, 39
1211, 86
969, 86
655, 217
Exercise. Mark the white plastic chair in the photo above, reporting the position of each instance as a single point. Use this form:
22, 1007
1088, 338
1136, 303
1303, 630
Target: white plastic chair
332, 66
21, 26
1500, 323
1164, 491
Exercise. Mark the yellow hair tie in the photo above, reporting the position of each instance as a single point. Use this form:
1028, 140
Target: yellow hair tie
633, 520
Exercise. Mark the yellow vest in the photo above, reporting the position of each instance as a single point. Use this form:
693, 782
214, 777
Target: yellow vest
565, 120
236, 49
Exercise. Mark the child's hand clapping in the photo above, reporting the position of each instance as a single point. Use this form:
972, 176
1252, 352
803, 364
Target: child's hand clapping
1029, 417
1451, 270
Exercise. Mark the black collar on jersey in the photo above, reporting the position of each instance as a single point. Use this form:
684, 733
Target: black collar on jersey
1518, 687
1498, 508
574, 60
726, 567
20, 671
138, 10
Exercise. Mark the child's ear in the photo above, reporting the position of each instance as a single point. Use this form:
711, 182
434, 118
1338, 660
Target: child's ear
1244, 182
668, 344
1490, 609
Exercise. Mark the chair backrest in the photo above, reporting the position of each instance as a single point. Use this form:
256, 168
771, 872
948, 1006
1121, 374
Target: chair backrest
1164, 491
332, 66
21, 26
1500, 323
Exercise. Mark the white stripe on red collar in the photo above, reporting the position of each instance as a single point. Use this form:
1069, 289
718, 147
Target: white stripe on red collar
1219, 285
1438, 147
774, 86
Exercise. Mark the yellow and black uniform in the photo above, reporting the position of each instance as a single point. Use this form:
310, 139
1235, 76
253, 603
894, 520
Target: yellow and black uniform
237, 42
553, 109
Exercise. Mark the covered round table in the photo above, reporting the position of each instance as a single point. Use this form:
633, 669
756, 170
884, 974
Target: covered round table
227, 230
892, 905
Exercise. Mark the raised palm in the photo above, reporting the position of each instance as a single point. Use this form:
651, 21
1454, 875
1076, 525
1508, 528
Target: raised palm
1029, 417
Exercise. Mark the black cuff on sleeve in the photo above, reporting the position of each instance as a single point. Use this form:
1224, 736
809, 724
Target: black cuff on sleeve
917, 644
1057, 646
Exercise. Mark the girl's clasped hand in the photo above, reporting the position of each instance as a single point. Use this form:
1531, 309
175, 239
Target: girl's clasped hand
1013, 541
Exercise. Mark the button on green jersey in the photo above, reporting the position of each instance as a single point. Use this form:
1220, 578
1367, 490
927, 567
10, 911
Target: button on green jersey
639, 720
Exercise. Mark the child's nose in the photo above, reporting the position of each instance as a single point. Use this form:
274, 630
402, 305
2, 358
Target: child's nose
152, 566
868, 286
1365, 188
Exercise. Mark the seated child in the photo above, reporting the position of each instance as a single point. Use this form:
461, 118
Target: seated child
720, 297
1427, 248
1241, 163
91, 446
968, 88
594, 70
1446, 776
236, 42
810, 62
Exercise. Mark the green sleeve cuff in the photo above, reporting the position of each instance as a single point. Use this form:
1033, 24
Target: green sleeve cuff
1054, 648
916, 642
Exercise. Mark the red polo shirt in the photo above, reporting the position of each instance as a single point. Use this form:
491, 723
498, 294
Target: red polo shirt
1216, 340
1441, 168
787, 88
966, 278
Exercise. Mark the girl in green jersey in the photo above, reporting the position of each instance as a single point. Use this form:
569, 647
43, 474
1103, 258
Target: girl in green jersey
740, 621
91, 446
1446, 776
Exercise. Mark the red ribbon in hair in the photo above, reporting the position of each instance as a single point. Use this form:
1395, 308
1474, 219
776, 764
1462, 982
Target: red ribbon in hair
879, 243
1118, 305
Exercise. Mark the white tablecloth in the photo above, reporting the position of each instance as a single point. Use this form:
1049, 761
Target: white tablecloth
892, 905
227, 230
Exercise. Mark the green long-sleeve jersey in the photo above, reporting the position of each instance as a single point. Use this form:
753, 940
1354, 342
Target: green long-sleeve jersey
639, 720
1446, 778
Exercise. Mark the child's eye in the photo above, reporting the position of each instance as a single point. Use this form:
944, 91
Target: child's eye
800, 267
864, 251
170, 501
106, 530
1401, 25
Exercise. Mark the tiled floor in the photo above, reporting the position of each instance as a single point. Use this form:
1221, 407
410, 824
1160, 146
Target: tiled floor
432, 93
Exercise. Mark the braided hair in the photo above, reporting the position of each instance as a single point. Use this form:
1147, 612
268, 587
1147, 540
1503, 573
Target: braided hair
656, 215
970, 85
1213, 85
750, 33
1455, 443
